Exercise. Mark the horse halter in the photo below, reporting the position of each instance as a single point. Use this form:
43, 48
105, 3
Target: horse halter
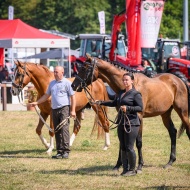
21, 78
83, 81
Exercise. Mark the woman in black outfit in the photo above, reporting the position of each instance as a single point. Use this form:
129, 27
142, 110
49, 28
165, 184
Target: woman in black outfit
129, 102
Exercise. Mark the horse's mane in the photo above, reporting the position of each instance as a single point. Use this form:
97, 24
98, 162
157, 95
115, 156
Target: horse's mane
126, 68
43, 67
121, 66
46, 69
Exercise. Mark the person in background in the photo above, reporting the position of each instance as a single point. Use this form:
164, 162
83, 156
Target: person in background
129, 102
2, 78
145, 63
2, 74
63, 106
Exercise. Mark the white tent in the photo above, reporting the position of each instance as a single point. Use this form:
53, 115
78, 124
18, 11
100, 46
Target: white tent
17, 34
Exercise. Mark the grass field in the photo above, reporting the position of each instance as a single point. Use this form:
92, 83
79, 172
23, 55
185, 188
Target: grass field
24, 164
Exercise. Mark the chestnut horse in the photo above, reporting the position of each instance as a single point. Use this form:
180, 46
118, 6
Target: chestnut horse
41, 76
160, 95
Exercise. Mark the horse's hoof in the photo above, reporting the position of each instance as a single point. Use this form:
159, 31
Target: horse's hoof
167, 166
139, 171
115, 169
49, 151
105, 148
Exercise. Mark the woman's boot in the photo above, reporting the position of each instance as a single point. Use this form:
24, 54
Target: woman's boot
132, 163
125, 162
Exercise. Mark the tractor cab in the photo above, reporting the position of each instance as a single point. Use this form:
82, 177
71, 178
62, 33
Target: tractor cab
159, 55
99, 45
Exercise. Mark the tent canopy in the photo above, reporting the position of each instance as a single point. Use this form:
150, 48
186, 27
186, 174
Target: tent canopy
53, 54
15, 33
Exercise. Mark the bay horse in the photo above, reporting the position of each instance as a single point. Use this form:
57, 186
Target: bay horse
160, 95
41, 76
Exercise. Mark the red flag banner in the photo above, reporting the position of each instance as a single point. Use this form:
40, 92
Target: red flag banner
151, 15
133, 31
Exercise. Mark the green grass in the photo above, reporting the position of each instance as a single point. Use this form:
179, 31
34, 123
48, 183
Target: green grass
24, 164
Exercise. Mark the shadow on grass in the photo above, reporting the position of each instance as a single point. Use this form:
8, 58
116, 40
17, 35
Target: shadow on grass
94, 171
17, 154
163, 187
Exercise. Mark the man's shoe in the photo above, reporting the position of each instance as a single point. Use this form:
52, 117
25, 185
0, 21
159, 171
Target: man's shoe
65, 155
58, 156
129, 173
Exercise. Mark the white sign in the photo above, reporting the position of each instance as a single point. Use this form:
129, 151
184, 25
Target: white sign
101, 16
11, 13
151, 15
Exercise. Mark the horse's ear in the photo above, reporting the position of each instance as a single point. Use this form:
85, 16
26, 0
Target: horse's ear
18, 63
89, 58
88, 55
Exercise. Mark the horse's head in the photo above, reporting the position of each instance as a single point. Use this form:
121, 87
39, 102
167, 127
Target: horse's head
87, 74
20, 79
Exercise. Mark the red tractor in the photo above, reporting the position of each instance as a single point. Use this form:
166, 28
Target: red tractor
166, 57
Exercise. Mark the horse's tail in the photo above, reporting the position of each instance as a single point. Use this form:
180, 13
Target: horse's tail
182, 128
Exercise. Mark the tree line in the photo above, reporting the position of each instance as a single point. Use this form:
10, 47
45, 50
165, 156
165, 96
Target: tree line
75, 17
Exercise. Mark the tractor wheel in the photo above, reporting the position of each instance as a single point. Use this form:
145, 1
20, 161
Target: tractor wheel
181, 76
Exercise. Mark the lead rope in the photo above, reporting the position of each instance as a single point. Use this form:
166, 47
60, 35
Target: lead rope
48, 127
60, 126
129, 123
42, 119
64, 122
124, 115
51, 130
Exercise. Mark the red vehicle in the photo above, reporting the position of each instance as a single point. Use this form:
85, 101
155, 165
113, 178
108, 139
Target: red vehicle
99, 45
113, 48
166, 57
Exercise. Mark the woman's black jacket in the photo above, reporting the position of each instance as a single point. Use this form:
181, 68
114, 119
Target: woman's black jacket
132, 99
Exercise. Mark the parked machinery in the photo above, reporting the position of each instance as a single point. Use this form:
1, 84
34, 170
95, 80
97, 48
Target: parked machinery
166, 58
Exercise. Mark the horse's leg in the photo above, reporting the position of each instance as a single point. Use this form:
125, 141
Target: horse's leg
97, 128
76, 127
166, 118
185, 121
39, 129
104, 123
139, 149
51, 134
119, 162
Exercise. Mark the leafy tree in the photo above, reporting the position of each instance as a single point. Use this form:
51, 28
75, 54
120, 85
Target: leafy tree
22, 9
74, 16
172, 20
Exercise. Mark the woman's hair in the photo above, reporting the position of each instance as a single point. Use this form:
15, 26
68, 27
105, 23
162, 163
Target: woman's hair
130, 75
